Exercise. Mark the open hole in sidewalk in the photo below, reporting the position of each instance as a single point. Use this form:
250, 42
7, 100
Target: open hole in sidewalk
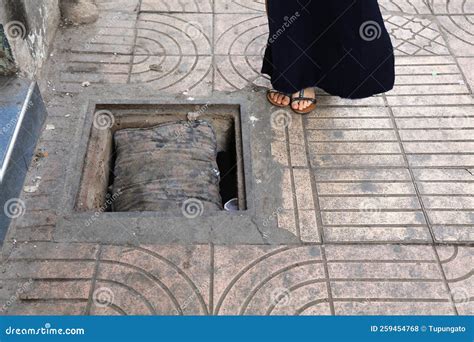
97, 179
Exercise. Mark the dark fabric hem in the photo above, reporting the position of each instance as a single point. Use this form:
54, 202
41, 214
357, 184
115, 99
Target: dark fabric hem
332, 92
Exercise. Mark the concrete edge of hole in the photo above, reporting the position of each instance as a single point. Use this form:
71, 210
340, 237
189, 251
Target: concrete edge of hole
241, 227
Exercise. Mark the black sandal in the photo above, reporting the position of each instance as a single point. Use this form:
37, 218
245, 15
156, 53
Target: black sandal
271, 91
301, 97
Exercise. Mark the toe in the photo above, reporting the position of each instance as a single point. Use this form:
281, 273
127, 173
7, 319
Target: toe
286, 101
295, 105
280, 98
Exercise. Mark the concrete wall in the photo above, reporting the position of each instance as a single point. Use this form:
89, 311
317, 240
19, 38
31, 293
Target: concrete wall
30, 26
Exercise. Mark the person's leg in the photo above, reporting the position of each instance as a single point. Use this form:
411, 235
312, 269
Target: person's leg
275, 96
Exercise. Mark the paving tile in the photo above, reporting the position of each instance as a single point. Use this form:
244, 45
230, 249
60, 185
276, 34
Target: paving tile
350, 135
304, 195
452, 113
457, 263
430, 81
239, 6
174, 34
364, 161
198, 6
362, 175
153, 280
355, 147
280, 152
366, 188
438, 134
373, 233
38, 308
52, 251
386, 280
327, 100
308, 226
269, 280
430, 100
458, 30
405, 6
349, 112
95, 68
376, 202
118, 5
51, 278
236, 72
112, 33
467, 68
415, 36
373, 218
348, 123
240, 34
446, 122
451, 7
190, 75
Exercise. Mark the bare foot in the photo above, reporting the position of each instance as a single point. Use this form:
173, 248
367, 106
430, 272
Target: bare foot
280, 98
302, 105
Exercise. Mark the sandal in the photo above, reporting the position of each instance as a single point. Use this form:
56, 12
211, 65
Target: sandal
301, 97
270, 92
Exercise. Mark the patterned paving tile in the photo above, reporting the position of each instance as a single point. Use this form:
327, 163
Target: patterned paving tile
457, 263
153, 280
48, 278
76, 279
236, 72
240, 34
415, 36
458, 29
452, 7
285, 280
387, 280
174, 34
68, 279
198, 6
239, 6
406, 6
174, 74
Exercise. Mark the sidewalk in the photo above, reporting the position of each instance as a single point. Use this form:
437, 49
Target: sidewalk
363, 207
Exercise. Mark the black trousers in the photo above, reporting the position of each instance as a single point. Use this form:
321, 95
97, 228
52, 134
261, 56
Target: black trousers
340, 46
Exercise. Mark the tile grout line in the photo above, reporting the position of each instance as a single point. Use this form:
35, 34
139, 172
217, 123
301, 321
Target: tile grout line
319, 221
135, 36
213, 54
94, 280
410, 171
293, 185
314, 185
211, 281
